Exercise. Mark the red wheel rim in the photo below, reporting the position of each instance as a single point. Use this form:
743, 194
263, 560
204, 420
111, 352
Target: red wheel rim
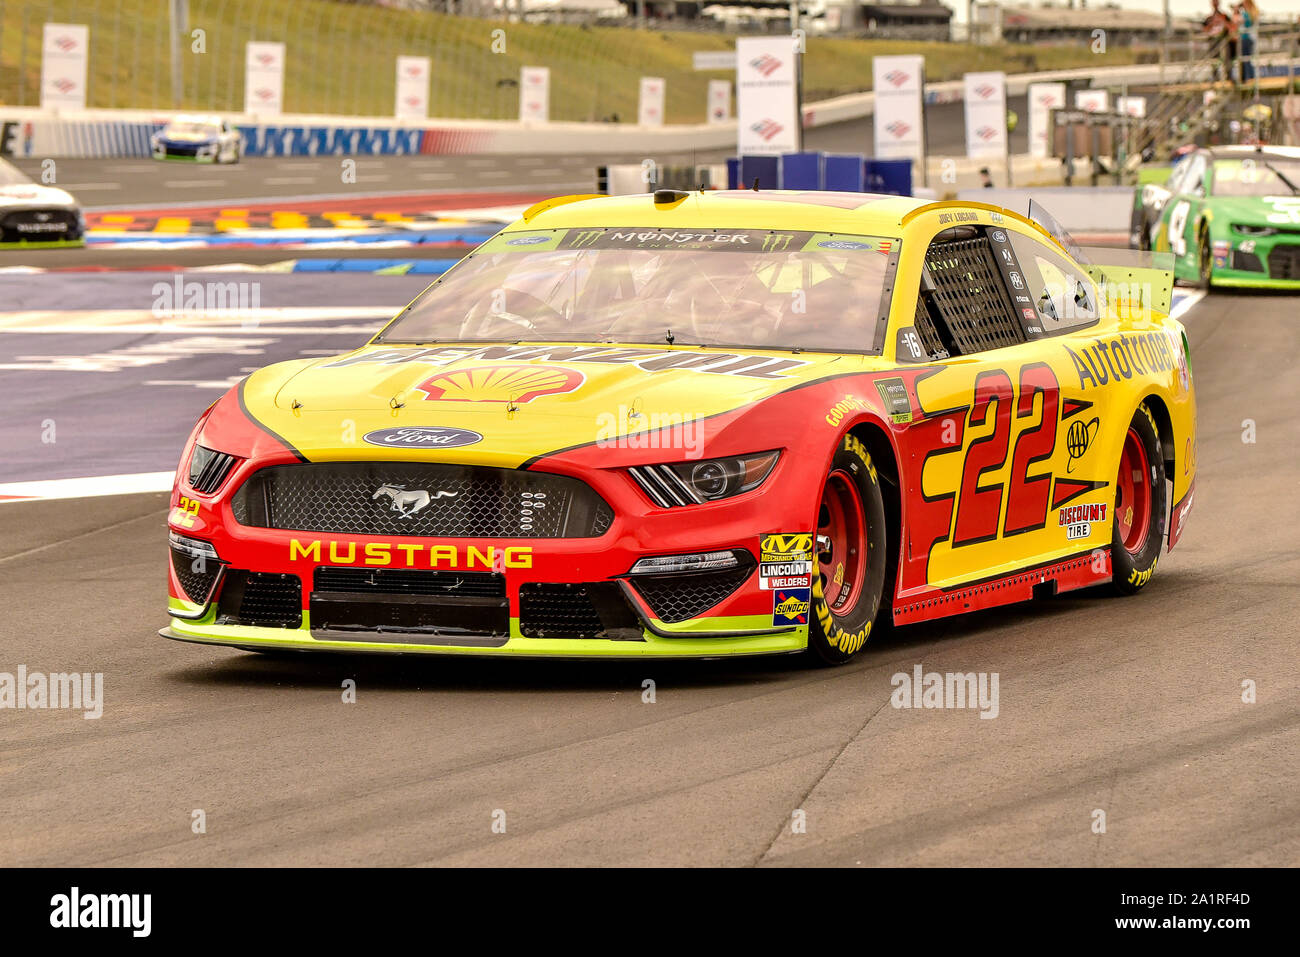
841, 543
1133, 494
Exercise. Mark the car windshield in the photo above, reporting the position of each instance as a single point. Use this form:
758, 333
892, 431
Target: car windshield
10, 175
745, 287
1261, 175
192, 129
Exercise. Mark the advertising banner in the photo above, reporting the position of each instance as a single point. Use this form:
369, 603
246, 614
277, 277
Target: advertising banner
719, 101
412, 87
264, 78
1135, 106
534, 94
64, 54
986, 115
898, 119
1092, 101
1043, 98
767, 96
650, 105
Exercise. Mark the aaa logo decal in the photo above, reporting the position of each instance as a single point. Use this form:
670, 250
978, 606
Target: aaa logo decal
1078, 439
501, 383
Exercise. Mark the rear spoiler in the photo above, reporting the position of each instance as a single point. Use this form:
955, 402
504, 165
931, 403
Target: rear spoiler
1131, 281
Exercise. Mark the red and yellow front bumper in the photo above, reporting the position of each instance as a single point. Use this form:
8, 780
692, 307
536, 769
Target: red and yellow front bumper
270, 588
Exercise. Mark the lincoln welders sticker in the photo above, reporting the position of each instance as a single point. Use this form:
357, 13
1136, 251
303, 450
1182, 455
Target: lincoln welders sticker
785, 561
894, 394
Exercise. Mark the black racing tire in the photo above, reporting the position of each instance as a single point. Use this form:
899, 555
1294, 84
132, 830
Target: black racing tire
852, 559
1204, 259
1138, 526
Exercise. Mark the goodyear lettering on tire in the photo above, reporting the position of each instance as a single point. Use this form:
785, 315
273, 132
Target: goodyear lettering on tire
846, 642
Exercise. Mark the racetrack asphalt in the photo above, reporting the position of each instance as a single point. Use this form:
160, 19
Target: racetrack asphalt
140, 182
1128, 706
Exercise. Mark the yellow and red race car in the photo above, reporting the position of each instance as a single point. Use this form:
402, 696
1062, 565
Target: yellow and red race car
698, 424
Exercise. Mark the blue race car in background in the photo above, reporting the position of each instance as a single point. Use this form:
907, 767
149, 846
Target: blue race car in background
198, 139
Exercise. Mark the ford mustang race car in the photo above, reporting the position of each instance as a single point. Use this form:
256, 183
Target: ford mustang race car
198, 139
32, 215
1230, 215
700, 424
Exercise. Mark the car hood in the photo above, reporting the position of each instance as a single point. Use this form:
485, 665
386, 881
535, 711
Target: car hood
35, 195
523, 400
1257, 210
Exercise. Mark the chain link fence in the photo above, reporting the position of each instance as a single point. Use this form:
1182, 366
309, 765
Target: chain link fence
340, 58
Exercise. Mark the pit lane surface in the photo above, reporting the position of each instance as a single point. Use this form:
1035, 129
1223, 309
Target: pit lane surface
1129, 706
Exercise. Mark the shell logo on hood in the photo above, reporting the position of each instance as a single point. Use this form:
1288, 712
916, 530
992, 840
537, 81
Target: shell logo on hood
503, 383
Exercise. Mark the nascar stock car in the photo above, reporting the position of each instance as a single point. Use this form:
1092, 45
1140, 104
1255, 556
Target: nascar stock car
700, 424
1230, 215
33, 215
199, 139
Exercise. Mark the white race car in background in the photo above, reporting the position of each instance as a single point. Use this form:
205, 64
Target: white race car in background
198, 139
36, 215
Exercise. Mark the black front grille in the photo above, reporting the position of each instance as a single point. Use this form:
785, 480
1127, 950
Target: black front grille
683, 596
1246, 262
195, 572
586, 610
39, 225
410, 606
267, 599
970, 296
1284, 262
398, 581
420, 499
173, 149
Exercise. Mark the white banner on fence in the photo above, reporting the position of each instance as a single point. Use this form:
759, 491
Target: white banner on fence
986, 114
264, 78
767, 99
1131, 105
1043, 98
898, 124
534, 94
412, 87
63, 66
719, 101
650, 105
1092, 101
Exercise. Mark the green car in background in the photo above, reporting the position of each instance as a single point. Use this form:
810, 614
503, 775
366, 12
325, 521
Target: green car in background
1229, 214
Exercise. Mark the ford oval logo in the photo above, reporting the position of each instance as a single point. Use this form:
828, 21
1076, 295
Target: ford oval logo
527, 240
423, 437
843, 244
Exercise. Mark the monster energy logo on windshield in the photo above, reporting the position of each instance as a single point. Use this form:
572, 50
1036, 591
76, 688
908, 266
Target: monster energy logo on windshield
739, 240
